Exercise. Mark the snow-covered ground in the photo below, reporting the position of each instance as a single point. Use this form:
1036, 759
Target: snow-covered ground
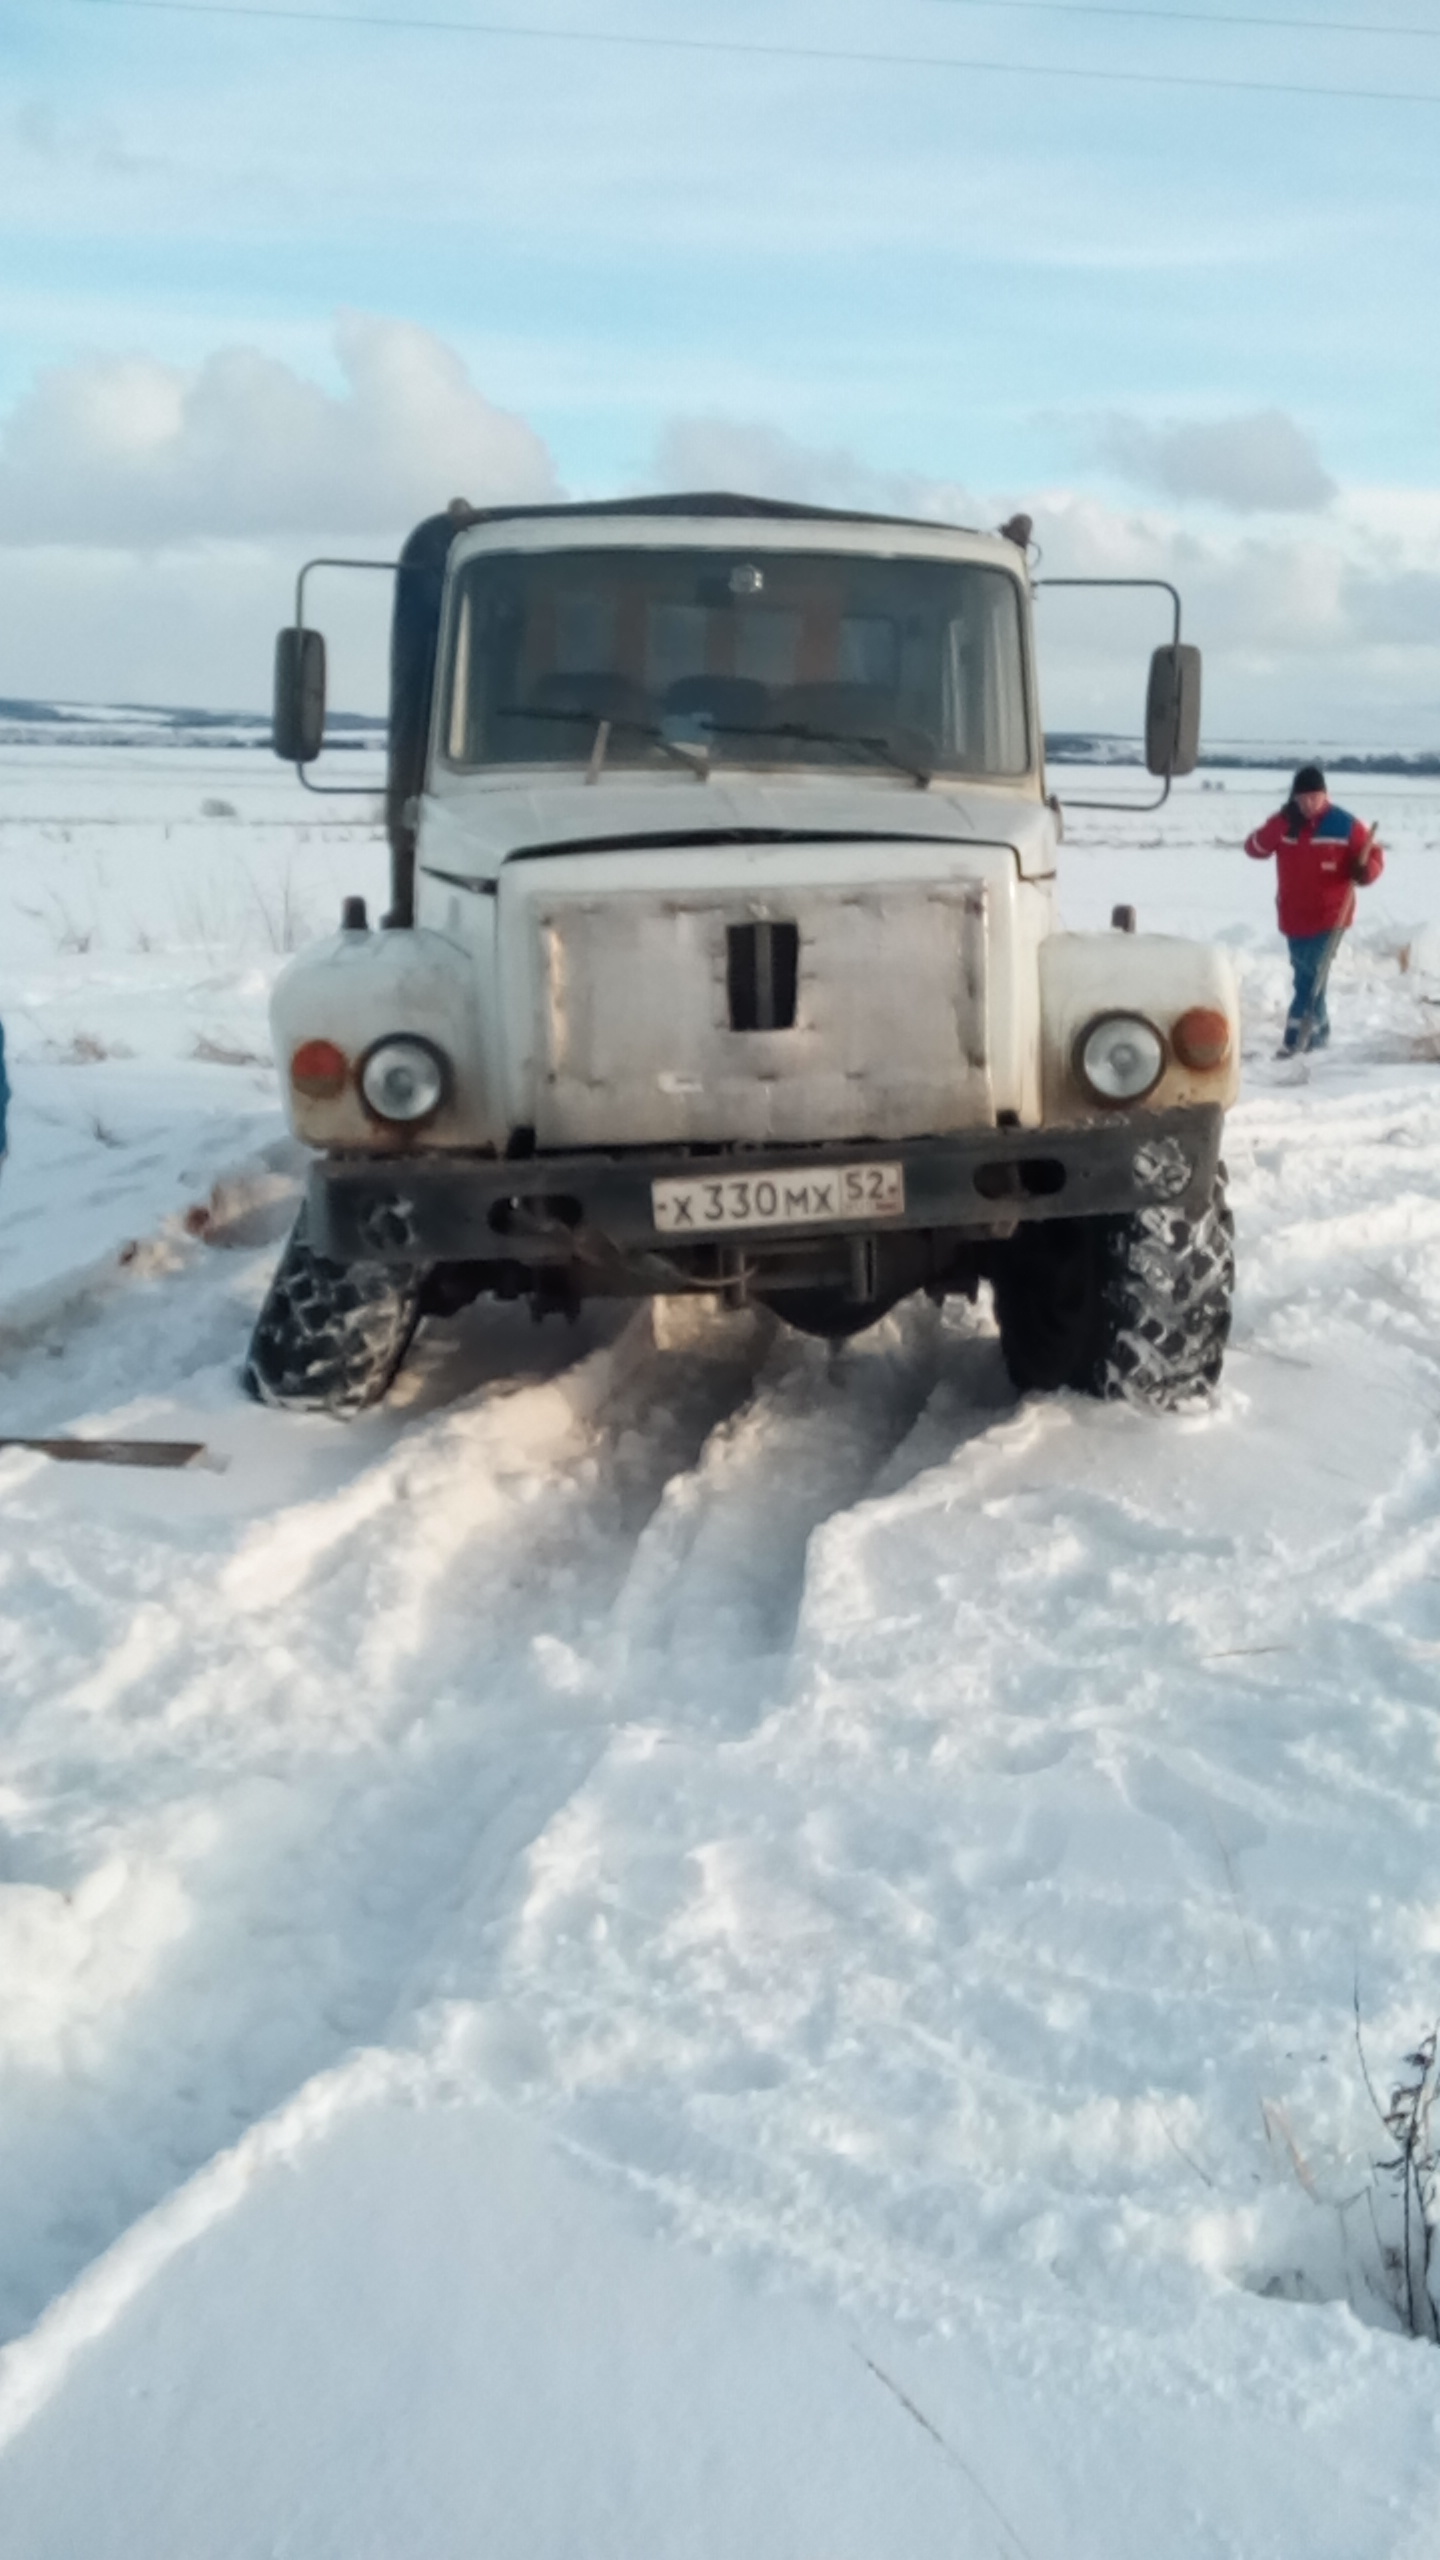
677, 1945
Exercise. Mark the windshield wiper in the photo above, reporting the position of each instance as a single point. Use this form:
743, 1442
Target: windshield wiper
694, 759
881, 748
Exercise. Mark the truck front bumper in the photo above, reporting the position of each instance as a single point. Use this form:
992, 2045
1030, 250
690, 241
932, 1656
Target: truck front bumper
547, 1209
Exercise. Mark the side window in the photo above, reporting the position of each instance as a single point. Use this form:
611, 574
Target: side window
957, 703
1002, 677
457, 743
983, 711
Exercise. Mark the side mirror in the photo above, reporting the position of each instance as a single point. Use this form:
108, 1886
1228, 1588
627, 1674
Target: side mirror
1172, 711
298, 731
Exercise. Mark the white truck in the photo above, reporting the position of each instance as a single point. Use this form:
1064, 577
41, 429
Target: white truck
722, 958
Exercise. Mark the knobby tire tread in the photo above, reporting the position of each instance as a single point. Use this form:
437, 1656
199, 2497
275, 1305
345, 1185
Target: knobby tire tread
330, 1336
1133, 1309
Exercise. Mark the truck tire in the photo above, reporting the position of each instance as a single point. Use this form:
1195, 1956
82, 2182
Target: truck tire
1134, 1308
330, 1336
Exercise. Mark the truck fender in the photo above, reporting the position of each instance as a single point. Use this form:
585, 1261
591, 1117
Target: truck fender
1159, 976
359, 988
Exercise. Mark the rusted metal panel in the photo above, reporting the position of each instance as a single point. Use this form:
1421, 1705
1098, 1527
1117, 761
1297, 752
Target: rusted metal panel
635, 1043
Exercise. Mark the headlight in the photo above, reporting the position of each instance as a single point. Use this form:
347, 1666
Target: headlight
403, 1080
1120, 1058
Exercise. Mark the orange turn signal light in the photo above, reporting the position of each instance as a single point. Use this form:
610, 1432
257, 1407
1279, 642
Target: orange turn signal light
1201, 1037
319, 1070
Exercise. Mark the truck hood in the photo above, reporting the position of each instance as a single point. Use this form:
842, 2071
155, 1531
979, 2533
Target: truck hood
621, 980
474, 823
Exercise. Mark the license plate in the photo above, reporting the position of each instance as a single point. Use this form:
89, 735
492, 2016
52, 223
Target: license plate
791, 1196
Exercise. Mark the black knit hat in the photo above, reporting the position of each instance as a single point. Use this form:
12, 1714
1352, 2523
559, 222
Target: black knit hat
1309, 778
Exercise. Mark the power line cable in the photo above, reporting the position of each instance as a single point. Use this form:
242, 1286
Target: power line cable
1113, 9
738, 47
1194, 18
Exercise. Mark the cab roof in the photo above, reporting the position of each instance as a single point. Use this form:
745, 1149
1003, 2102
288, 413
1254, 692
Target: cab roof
705, 502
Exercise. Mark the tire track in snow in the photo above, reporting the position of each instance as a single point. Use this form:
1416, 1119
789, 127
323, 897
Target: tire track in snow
233, 1810
399, 1740
276, 1772
1102, 1750
697, 1647
695, 1635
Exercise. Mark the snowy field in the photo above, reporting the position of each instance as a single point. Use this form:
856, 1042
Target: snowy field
679, 1947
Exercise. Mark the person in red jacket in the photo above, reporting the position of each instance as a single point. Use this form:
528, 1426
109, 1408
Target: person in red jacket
1320, 852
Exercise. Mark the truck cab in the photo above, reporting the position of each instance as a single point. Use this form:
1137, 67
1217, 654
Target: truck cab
722, 957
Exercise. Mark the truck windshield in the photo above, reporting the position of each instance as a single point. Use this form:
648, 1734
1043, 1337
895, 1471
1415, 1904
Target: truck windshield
758, 658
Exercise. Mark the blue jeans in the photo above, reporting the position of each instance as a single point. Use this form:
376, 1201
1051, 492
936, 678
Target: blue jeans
1307, 951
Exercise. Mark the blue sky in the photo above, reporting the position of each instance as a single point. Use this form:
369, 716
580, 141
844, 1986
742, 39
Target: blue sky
1192, 329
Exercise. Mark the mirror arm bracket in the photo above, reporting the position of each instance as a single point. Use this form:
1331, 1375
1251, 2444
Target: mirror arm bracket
1164, 587
332, 790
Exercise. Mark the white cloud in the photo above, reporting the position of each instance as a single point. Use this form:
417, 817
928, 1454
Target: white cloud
192, 626
1260, 463
124, 451
763, 462
155, 517
62, 146
1305, 631
1331, 634
1398, 611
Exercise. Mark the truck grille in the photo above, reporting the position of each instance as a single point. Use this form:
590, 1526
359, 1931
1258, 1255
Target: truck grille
762, 974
